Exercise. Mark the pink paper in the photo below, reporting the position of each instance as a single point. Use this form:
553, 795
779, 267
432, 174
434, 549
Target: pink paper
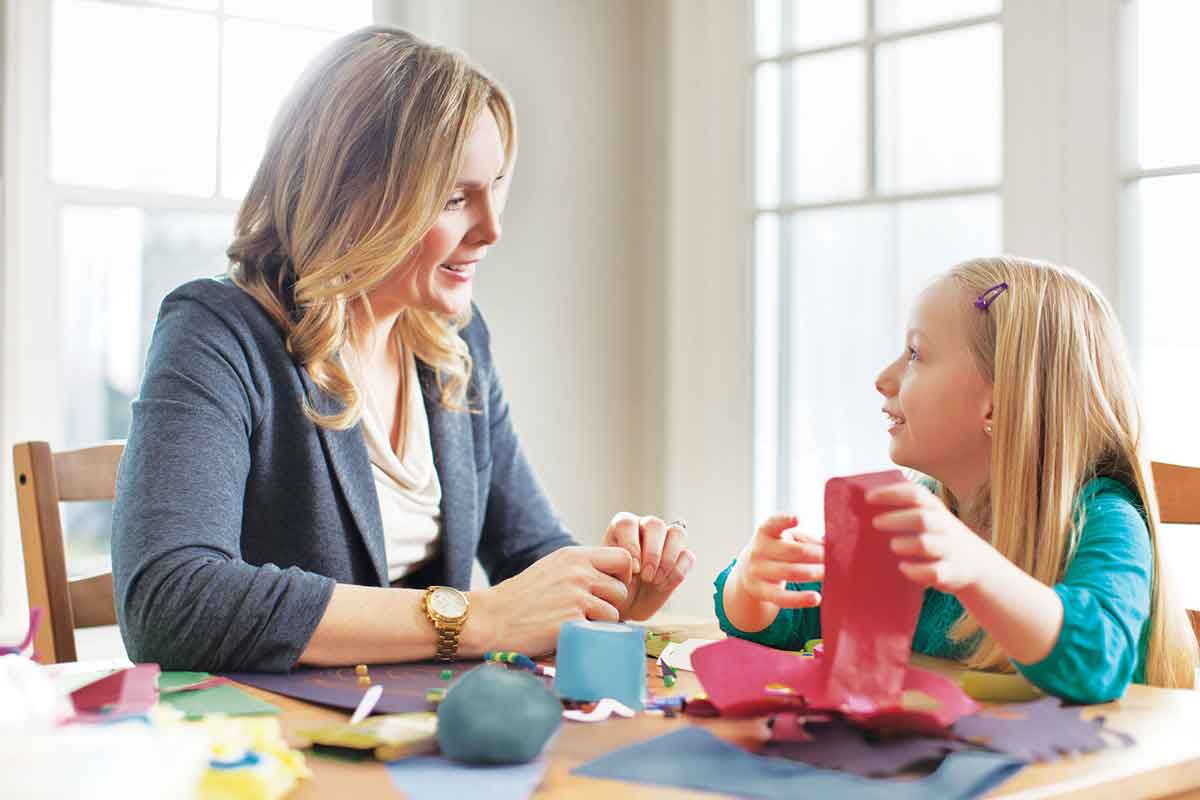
868, 608
742, 679
129, 692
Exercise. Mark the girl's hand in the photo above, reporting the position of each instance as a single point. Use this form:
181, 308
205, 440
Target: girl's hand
935, 547
777, 554
661, 560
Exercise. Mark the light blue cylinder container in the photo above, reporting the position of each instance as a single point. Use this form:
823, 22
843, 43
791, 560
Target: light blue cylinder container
601, 659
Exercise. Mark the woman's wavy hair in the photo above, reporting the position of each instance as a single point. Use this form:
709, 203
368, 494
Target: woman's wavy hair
361, 158
1065, 411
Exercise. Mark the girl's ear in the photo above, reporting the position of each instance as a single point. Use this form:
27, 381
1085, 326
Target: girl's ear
987, 417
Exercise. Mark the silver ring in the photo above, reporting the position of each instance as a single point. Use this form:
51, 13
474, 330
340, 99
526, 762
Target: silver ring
678, 523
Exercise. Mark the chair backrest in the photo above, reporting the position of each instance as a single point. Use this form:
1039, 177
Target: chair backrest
45, 479
1178, 490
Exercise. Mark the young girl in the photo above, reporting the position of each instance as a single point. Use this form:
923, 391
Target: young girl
1036, 534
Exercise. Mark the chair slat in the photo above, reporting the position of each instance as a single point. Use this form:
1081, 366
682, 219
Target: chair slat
1178, 490
92, 601
89, 473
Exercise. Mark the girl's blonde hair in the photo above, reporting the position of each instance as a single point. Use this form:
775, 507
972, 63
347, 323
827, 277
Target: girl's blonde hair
362, 156
1065, 411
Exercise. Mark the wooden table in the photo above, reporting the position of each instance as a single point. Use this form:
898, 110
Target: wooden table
1164, 762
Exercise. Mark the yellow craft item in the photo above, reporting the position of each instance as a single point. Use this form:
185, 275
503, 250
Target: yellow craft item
388, 736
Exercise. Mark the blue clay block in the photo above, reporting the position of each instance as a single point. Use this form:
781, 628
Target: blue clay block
494, 715
601, 659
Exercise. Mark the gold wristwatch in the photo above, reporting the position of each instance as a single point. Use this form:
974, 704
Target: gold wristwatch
446, 607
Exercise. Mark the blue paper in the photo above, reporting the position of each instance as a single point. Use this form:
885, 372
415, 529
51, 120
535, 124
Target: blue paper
421, 777
595, 660
693, 758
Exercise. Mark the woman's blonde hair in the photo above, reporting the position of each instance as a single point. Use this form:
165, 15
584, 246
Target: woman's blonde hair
1065, 411
362, 156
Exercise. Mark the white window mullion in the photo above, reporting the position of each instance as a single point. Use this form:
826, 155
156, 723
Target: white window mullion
786, 380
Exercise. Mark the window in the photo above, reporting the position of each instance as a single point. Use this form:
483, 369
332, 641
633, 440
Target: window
1162, 194
877, 164
1160, 241
158, 113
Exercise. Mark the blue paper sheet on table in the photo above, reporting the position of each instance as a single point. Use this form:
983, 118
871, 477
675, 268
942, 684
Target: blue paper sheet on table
693, 758
421, 777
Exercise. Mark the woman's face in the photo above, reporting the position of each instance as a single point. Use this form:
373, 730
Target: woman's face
936, 401
439, 275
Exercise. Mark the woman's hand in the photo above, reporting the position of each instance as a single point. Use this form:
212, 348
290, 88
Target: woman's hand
524, 612
660, 557
935, 547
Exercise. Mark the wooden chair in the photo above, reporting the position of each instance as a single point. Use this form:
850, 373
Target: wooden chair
1178, 490
45, 479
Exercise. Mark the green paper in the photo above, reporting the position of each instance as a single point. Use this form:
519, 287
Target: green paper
224, 699
173, 680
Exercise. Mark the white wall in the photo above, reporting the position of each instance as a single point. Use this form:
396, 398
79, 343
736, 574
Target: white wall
571, 292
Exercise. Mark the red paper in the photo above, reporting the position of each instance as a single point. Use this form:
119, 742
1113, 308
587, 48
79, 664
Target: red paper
128, 692
868, 613
868, 608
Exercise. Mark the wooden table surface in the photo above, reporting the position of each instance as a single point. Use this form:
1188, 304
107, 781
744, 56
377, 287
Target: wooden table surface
1165, 761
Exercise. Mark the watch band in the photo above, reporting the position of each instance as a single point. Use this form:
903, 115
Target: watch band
447, 643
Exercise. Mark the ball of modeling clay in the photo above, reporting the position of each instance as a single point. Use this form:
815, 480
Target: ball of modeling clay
494, 715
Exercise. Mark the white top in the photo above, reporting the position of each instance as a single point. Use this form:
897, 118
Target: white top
410, 494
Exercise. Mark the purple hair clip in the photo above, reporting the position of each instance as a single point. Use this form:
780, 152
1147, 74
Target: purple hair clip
984, 300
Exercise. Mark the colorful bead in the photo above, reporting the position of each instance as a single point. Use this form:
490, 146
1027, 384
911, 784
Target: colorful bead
447, 675
364, 681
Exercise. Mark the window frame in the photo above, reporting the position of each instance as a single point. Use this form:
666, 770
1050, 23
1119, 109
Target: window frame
776, 452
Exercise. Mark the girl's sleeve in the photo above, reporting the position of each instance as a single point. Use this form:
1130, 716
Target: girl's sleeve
791, 628
1106, 605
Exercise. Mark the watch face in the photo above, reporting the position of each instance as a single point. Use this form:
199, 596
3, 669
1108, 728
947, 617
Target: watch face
448, 603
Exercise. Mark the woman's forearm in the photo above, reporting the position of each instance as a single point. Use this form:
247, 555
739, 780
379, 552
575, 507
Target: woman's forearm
745, 612
373, 625
1021, 614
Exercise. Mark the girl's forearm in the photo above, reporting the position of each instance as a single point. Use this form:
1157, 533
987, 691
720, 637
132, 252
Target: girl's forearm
1021, 614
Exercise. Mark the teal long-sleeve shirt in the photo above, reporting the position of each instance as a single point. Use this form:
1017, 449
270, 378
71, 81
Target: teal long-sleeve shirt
1106, 607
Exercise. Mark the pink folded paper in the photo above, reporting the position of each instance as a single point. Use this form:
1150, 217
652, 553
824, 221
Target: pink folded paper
868, 613
129, 692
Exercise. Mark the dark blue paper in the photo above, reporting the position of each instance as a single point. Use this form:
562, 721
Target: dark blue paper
693, 758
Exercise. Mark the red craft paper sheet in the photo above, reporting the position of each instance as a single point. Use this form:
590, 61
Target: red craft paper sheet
130, 691
868, 608
868, 613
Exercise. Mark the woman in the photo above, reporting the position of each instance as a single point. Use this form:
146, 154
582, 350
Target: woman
321, 446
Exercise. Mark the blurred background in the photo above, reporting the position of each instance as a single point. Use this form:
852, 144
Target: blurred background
720, 213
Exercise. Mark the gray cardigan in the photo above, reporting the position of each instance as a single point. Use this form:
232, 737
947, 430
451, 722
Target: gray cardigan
235, 515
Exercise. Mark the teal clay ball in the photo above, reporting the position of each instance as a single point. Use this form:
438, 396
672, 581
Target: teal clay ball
493, 715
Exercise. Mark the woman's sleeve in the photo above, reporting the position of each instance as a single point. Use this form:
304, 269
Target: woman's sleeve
1105, 595
185, 598
790, 629
520, 526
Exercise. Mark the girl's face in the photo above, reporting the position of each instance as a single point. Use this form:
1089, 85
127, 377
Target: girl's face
936, 401
438, 276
